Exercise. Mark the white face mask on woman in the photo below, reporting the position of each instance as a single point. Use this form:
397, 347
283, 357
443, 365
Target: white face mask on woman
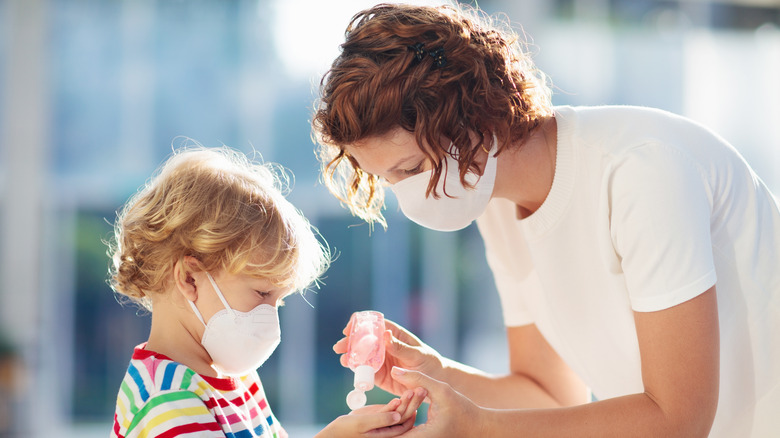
239, 342
447, 213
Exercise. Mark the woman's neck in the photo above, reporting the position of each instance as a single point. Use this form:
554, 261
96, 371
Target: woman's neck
525, 172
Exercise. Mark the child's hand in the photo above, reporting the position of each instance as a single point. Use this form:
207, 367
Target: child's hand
406, 405
378, 421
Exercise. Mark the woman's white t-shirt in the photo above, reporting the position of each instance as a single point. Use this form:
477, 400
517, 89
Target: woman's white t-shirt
647, 210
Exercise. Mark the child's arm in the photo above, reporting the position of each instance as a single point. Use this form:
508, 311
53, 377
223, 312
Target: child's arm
377, 421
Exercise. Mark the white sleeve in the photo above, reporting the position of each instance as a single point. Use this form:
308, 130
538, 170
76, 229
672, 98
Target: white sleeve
660, 224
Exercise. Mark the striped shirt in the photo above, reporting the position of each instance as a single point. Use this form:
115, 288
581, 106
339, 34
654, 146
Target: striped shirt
162, 398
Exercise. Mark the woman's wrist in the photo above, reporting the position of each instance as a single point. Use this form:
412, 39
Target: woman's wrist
483, 419
480, 421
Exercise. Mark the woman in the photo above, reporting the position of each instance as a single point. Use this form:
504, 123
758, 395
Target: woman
634, 251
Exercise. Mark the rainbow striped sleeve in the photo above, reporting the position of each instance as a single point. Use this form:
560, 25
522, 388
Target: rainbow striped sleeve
174, 413
143, 411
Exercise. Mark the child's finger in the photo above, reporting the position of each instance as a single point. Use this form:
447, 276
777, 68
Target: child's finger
403, 405
409, 409
377, 420
417, 399
391, 406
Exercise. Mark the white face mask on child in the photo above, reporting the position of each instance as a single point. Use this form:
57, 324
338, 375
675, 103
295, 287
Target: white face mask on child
447, 213
239, 342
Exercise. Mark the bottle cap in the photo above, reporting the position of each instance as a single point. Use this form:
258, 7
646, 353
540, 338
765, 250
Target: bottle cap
364, 378
356, 399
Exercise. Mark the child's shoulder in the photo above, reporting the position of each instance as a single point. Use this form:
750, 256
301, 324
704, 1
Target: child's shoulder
159, 393
152, 372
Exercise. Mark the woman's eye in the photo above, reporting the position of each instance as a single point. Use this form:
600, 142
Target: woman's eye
415, 170
262, 294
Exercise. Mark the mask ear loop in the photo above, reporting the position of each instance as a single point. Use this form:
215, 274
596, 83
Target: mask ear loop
219, 294
197, 312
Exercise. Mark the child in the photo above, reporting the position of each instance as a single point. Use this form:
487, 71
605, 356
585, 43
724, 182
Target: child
211, 247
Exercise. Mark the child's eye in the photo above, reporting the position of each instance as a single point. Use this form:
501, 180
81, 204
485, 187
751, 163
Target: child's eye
262, 294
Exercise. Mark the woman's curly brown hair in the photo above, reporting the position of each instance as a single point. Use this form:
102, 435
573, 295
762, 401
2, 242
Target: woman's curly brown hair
489, 86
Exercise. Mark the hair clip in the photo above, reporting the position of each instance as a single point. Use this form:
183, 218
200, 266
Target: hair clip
419, 52
439, 60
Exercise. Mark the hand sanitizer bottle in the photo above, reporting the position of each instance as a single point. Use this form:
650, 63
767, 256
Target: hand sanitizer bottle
365, 353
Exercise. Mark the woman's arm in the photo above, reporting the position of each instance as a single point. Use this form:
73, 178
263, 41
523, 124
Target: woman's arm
538, 377
680, 369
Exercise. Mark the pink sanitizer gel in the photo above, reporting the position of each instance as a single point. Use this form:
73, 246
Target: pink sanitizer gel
365, 353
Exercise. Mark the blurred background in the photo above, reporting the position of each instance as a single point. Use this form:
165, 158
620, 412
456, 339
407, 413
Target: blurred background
96, 93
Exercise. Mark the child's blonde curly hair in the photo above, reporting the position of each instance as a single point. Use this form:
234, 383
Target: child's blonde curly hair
222, 209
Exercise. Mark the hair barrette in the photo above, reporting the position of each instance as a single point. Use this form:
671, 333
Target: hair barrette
419, 51
439, 60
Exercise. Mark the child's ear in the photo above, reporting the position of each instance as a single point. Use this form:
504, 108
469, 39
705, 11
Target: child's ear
184, 273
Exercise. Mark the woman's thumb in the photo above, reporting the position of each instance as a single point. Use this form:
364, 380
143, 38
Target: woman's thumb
413, 379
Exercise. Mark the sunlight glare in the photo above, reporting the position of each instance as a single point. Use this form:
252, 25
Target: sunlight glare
307, 33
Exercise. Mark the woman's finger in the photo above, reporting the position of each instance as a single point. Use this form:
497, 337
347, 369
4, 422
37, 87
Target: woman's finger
340, 347
402, 334
401, 350
348, 327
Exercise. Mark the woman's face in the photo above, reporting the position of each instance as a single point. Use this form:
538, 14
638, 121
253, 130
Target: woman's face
392, 157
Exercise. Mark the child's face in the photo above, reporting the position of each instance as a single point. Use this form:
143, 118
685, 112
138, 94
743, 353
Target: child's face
242, 292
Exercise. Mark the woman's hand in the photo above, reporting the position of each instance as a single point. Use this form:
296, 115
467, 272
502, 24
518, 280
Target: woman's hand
378, 421
402, 349
450, 413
